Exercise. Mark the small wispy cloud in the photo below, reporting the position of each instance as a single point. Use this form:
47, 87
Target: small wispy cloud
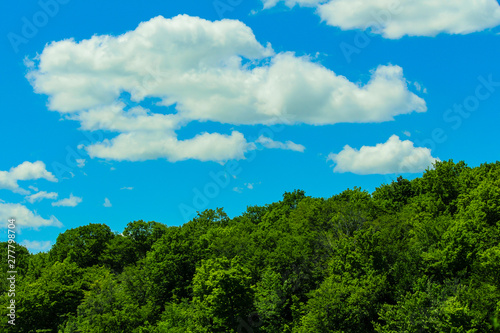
420, 88
107, 203
251, 186
246, 186
81, 162
41, 195
129, 188
72, 201
271, 144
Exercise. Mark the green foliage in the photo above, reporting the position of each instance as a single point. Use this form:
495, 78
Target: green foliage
119, 253
270, 301
144, 235
414, 256
180, 318
395, 195
21, 258
107, 307
53, 297
83, 245
431, 307
222, 290
344, 303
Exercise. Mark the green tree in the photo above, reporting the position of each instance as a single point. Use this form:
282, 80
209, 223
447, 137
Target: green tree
20, 257
119, 253
83, 245
222, 290
395, 195
54, 297
106, 307
144, 235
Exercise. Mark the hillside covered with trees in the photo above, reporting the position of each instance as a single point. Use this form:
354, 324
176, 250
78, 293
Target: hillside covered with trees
413, 256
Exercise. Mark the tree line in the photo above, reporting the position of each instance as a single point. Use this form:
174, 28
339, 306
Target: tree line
413, 256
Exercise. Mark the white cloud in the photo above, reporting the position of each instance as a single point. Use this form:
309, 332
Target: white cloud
249, 186
202, 71
270, 143
393, 156
141, 146
81, 162
72, 201
129, 188
420, 88
107, 203
24, 217
396, 18
292, 3
33, 188
41, 195
31, 171
36, 246
24, 171
407, 133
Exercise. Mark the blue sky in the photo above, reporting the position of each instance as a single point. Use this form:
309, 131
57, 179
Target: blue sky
118, 111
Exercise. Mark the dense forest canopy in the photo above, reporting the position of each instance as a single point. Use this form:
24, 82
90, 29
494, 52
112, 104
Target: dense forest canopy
413, 256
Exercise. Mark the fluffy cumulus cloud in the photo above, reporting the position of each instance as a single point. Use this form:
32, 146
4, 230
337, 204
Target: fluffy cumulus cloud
201, 71
397, 18
24, 217
72, 201
25, 171
41, 196
36, 246
393, 156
